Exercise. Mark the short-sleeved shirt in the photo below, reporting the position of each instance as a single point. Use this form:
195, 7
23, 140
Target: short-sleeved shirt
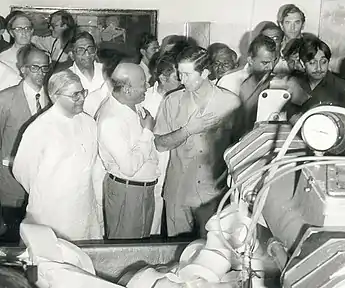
198, 162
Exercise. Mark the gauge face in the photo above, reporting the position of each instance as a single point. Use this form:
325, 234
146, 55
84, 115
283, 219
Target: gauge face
320, 132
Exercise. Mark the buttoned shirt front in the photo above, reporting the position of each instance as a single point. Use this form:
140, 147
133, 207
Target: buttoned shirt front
30, 95
126, 148
197, 163
97, 80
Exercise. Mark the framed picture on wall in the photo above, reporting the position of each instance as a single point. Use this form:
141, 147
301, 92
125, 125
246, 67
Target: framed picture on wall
199, 31
113, 30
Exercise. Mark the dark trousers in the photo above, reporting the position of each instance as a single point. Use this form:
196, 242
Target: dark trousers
128, 210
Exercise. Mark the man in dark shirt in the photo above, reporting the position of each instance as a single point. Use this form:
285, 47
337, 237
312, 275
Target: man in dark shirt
319, 83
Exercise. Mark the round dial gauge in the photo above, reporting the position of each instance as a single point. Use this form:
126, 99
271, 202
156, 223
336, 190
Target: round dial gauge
320, 132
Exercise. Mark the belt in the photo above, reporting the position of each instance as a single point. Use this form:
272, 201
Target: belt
130, 182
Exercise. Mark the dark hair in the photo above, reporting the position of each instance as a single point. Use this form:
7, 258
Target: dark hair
216, 48
261, 41
292, 47
165, 65
198, 55
24, 52
2, 23
271, 26
145, 40
66, 18
81, 35
291, 8
309, 48
178, 43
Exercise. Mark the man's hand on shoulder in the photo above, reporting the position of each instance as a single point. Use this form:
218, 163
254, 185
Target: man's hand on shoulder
146, 120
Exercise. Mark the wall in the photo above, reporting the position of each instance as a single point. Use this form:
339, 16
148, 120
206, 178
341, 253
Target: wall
230, 18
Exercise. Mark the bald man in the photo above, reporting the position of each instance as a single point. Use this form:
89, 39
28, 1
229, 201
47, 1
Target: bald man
127, 150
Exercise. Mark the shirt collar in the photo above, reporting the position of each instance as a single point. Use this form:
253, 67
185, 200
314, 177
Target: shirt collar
29, 91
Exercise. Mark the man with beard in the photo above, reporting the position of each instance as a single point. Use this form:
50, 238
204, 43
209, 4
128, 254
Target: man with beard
261, 60
19, 105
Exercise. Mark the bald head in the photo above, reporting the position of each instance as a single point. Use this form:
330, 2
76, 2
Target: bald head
129, 82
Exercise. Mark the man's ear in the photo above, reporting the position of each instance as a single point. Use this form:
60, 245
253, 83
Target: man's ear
71, 55
162, 78
142, 52
280, 25
22, 71
302, 27
11, 33
205, 73
250, 60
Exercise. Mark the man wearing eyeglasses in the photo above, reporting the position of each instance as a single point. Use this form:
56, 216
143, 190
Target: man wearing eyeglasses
21, 29
83, 53
19, 106
54, 163
223, 60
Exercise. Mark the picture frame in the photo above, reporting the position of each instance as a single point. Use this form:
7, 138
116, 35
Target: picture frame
199, 31
112, 29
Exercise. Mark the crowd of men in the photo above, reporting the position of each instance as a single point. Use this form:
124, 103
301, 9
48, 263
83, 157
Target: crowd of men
90, 148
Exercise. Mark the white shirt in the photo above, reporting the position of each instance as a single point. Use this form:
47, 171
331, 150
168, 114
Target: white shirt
152, 100
30, 95
54, 164
234, 79
97, 80
94, 100
126, 149
9, 57
8, 76
146, 70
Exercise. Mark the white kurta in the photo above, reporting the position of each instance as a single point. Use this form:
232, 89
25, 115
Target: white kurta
54, 164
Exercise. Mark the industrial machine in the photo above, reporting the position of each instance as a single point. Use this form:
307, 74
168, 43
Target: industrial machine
284, 226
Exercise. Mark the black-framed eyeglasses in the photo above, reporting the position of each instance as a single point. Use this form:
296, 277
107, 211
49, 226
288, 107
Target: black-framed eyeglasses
22, 29
76, 96
36, 68
82, 50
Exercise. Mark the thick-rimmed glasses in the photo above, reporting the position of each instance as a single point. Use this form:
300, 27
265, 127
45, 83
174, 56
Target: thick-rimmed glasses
82, 50
36, 68
76, 96
22, 29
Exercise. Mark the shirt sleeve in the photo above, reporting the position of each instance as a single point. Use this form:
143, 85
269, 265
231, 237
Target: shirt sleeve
163, 123
28, 158
115, 139
4, 111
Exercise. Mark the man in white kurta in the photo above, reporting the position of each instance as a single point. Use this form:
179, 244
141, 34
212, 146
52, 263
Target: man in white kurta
54, 165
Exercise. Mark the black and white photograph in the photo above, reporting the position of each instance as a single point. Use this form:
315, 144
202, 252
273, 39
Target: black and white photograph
172, 144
